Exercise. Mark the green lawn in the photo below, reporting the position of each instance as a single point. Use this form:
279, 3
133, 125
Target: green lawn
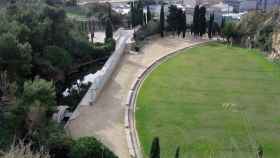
212, 100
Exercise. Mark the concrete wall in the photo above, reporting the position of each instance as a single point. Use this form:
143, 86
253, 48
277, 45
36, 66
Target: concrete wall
101, 77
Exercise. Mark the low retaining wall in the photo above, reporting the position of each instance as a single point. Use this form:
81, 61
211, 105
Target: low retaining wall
101, 77
133, 141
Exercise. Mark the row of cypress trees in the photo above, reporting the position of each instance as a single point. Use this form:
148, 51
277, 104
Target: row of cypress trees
138, 17
199, 21
177, 21
155, 150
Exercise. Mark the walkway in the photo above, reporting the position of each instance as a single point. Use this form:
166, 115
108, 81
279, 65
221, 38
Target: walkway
105, 119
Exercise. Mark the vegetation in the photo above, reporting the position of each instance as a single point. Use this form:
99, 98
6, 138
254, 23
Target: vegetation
149, 14
96, 11
177, 154
211, 26
255, 30
195, 24
109, 31
89, 147
162, 21
40, 49
229, 31
155, 150
137, 13
225, 108
24, 151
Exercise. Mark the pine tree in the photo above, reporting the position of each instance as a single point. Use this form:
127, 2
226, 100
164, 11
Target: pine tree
155, 149
177, 155
162, 20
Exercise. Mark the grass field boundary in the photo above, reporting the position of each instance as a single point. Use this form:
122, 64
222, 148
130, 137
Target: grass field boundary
133, 141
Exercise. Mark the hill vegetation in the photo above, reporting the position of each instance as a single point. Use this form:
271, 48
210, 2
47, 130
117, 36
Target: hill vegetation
40, 47
256, 30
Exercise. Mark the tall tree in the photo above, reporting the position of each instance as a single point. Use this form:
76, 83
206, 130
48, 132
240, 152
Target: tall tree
15, 57
195, 25
229, 31
149, 14
202, 21
172, 18
155, 149
140, 13
211, 26
184, 24
177, 154
162, 21
132, 14
222, 26
179, 21
109, 10
109, 30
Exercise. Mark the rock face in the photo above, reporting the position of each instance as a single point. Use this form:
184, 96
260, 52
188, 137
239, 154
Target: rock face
275, 54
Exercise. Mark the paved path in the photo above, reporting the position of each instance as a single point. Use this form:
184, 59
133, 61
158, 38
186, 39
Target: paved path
105, 119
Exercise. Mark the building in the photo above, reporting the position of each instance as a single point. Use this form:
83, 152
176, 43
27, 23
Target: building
248, 5
221, 8
267, 4
234, 3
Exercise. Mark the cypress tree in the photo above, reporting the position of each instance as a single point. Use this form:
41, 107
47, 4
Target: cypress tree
202, 21
109, 30
149, 14
132, 14
162, 20
184, 23
172, 18
179, 21
210, 26
140, 13
195, 25
177, 155
109, 10
155, 150
223, 23
222, 26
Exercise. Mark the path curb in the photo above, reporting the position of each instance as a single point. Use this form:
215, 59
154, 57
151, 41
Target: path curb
133, 142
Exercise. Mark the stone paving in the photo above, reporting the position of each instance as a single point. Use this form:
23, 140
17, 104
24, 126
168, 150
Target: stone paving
105, 119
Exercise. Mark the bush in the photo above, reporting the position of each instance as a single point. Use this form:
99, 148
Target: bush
89, 147
264, 37
152, 28
24, 151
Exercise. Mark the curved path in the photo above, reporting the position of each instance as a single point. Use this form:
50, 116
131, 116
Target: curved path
105, 119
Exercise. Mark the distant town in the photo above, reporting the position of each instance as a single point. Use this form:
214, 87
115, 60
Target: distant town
230, 9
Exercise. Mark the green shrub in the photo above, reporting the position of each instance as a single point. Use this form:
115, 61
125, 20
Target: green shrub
89, 147
264, 37
153, 27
